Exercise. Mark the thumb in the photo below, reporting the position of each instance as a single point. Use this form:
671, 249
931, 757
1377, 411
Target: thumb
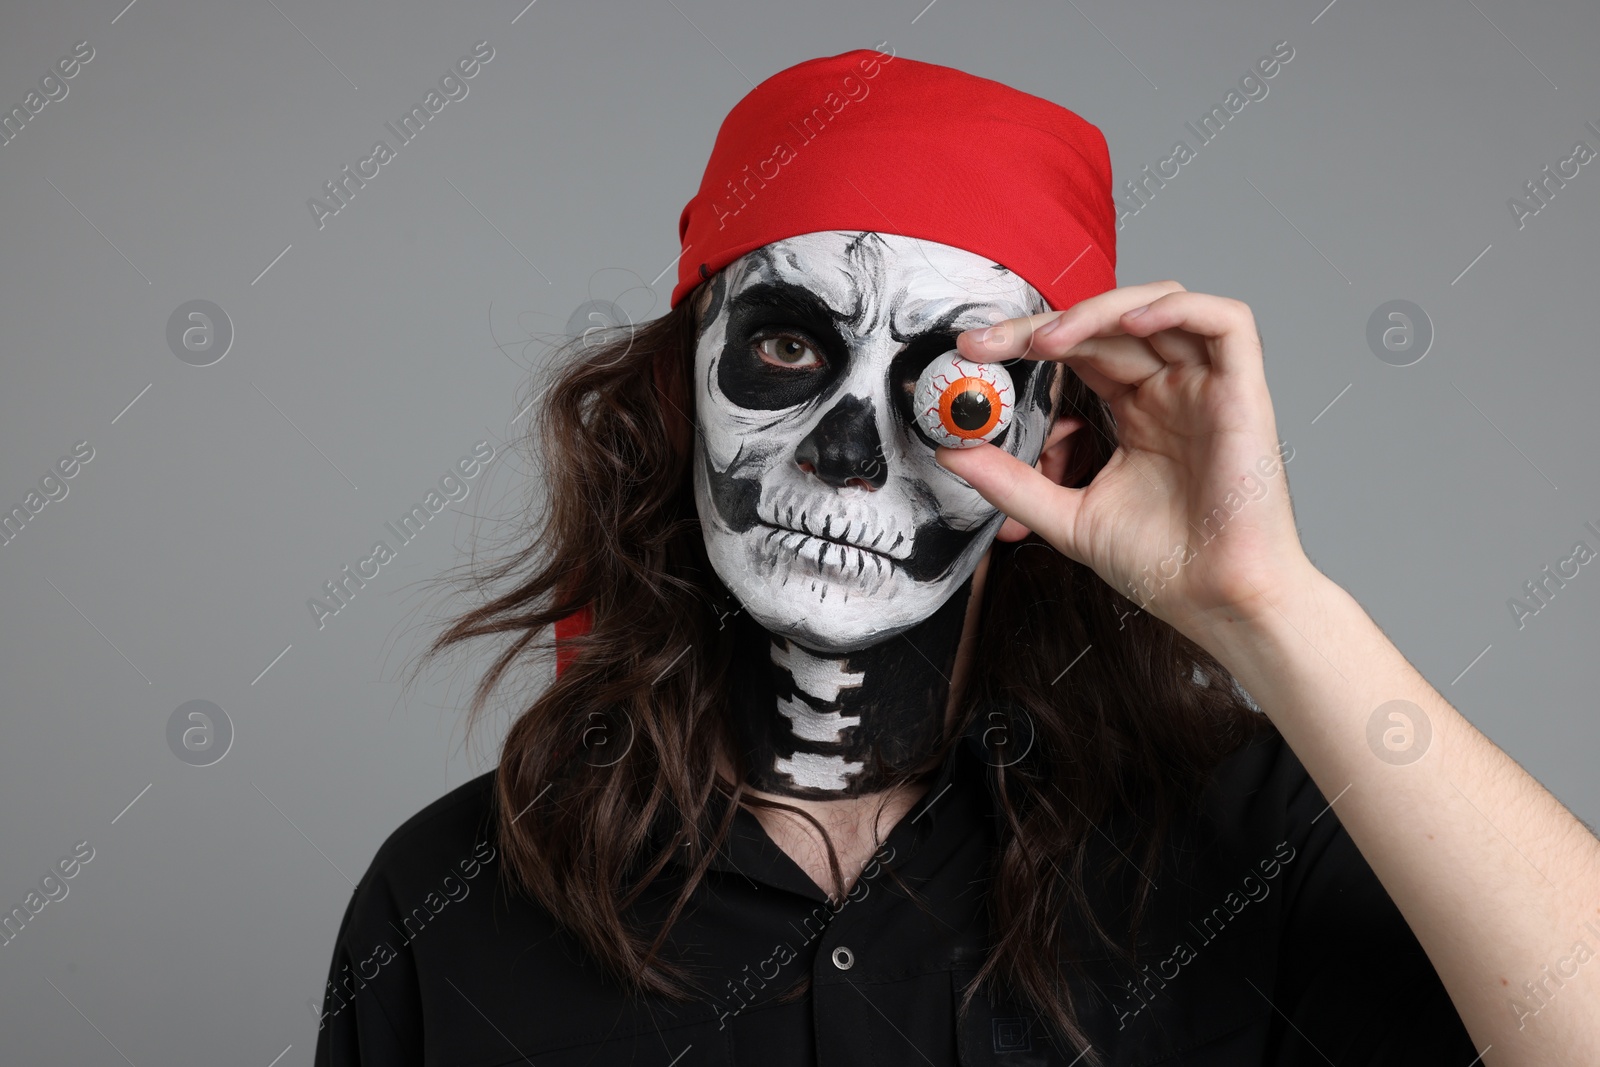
1020, 491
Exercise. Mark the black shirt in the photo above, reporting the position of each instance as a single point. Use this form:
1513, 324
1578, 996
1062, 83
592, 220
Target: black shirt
1270, 941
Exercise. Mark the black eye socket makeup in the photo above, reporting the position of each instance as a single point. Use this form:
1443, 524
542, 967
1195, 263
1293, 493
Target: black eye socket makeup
907, 367
778, 312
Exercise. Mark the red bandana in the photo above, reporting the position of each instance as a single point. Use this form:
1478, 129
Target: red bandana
869, 141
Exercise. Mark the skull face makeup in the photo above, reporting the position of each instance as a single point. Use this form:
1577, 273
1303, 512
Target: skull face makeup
823, 508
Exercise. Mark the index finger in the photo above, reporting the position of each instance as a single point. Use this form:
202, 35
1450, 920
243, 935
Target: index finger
1031, 337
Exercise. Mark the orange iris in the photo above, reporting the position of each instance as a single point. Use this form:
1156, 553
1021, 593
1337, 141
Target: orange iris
969, 407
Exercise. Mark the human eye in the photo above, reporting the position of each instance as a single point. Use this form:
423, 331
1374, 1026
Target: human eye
790, 351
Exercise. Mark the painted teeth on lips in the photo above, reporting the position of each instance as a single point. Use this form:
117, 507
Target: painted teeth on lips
846, 530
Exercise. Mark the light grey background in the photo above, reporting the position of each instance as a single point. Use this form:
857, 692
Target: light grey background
377, 350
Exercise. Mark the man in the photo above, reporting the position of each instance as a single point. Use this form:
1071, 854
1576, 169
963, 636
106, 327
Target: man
900, 713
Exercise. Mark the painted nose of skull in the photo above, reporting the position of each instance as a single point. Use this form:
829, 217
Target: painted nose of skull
844, 447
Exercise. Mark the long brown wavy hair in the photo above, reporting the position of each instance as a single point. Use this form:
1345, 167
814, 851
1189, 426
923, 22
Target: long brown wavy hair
1134, 728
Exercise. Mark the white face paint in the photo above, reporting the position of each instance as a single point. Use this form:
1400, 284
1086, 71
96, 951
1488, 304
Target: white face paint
823, 508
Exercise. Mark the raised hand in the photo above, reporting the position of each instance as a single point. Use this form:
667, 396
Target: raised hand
1190, 518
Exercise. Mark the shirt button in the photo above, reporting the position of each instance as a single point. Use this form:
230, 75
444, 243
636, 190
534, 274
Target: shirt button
843, 958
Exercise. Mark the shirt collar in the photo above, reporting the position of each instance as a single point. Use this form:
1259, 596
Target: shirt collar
960, 779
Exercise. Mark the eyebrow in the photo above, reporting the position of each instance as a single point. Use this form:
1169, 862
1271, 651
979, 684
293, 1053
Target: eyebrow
807, 304
795, 300
944, 323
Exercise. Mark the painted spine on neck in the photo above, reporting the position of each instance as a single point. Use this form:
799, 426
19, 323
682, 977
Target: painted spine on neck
826, 725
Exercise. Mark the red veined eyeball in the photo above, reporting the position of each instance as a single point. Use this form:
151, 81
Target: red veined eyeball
962, 404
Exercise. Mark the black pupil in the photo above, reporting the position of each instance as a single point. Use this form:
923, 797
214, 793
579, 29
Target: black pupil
790, 350
970, 410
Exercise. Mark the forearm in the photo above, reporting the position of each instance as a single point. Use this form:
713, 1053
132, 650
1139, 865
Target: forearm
1496, 878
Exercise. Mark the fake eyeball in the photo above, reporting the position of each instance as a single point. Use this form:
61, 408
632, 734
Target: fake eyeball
962, 404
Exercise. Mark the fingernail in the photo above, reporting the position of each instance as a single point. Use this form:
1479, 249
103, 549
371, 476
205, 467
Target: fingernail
992, 335
1050, 327
1136, 312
